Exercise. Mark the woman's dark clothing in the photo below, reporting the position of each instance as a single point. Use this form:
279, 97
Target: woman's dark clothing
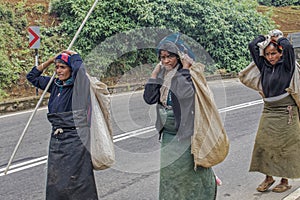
183, 101
61, 95
275, 79
178, 178
70, 172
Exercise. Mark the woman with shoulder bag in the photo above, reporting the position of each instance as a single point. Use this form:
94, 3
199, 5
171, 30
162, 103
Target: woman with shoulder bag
277, 144
171, 89
70, 172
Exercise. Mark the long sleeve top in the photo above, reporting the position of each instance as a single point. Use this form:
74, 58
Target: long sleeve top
62, 96
183, 100
275, 79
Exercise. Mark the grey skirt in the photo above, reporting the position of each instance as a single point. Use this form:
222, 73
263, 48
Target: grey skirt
277, 144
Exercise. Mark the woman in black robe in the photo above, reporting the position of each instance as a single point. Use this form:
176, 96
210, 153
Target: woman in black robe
70, 172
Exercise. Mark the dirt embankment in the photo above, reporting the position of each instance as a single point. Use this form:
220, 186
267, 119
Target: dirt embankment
44, 18
286, 18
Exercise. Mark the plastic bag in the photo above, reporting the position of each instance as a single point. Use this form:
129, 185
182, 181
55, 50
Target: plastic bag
102, 149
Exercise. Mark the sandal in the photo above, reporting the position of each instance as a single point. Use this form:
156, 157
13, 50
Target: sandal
281, 188
264, 186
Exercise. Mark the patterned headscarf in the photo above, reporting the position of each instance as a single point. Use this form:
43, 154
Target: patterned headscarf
173, 44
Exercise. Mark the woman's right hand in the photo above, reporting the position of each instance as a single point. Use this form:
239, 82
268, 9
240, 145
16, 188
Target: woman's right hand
69, 52
53, 58
46, 64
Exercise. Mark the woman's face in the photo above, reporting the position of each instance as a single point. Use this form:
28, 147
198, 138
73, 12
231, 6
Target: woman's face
272, 54
63, 71
168, 60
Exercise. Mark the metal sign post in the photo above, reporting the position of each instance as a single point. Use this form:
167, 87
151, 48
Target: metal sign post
36, 64
35, 43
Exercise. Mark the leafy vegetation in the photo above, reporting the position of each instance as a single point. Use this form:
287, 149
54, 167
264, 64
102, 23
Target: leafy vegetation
15, 56
115, 36
12, 25
223, 28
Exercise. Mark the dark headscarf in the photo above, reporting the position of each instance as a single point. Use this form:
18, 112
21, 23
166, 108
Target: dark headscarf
64, 59
174, 44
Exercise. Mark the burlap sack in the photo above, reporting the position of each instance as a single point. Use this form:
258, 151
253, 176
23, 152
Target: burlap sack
294, 88
210, 144
250, 77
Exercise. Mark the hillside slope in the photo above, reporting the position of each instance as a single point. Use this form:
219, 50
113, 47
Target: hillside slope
44, 19
286, 19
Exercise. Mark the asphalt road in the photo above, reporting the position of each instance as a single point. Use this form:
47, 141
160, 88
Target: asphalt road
135, 175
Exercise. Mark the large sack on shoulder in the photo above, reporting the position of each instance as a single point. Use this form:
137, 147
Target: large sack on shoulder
294, 88
102, 147
210, 144
250, 77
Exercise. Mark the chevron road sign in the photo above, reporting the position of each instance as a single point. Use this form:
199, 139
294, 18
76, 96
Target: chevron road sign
34, 37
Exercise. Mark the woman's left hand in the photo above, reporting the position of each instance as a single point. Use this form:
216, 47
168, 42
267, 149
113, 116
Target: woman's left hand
275, 34
186, 61
275, 38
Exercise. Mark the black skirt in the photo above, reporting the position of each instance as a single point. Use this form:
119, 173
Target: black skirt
70, 173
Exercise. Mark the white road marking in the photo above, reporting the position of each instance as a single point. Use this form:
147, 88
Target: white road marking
42, 160
22, 112
293, 196
130, 134
238, 106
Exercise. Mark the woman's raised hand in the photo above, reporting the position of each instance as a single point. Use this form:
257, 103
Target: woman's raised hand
70, 52
186, 61
275, 34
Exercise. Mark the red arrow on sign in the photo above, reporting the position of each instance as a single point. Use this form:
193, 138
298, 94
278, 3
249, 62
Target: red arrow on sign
35, 37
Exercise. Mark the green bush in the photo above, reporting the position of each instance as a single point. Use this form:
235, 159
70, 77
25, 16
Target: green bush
12, 24
15, 56
223, 28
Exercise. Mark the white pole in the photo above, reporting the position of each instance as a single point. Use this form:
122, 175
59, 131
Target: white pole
45, 91
36, 64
